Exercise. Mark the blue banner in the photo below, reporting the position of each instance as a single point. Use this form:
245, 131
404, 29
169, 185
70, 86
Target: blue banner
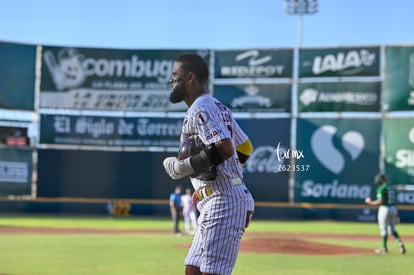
262, 171
110, 131
17, 76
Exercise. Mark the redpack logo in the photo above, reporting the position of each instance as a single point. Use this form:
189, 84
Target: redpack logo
257, 66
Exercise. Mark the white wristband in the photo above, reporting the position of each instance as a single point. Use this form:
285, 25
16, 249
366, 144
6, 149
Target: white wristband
183, 167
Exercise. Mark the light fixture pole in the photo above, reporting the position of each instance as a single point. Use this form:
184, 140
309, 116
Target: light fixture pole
296, 7
301, 7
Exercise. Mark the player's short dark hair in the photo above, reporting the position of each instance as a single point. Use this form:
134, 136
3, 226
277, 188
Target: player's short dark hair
195, 64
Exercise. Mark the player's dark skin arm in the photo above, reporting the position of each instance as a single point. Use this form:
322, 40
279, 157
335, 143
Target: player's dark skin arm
225, 148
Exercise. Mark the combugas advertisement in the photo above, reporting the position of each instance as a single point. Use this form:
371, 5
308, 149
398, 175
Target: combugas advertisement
105, 79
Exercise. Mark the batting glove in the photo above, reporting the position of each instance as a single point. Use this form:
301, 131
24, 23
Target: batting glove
178, 169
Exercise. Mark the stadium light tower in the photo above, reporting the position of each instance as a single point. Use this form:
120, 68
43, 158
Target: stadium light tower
301, 7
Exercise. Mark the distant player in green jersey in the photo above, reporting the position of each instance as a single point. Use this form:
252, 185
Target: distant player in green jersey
387, 213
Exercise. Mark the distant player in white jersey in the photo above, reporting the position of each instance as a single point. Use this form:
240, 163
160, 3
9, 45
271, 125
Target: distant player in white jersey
189, 212
225, 204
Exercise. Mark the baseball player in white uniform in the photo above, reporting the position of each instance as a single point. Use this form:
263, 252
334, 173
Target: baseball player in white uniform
224, 202
189, 212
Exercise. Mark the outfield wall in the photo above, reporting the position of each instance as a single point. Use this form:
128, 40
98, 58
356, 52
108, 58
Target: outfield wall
160, 208
89, 123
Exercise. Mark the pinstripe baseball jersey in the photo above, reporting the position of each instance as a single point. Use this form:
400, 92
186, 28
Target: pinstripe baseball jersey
224, 213
212, 121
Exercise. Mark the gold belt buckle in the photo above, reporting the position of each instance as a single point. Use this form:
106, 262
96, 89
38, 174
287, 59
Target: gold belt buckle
204, 193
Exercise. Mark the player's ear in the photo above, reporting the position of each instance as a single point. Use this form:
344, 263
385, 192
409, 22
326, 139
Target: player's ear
191, 77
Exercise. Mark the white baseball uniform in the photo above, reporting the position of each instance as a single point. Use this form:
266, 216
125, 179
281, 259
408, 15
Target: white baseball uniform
221, 223
189, 213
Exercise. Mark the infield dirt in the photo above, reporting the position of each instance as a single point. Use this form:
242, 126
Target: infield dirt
257, 242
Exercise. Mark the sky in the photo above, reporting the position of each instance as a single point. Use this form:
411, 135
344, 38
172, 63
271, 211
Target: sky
204, 24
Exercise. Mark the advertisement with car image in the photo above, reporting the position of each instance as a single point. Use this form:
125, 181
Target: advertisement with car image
255, 97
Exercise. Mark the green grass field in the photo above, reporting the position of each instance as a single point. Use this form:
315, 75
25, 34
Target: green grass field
67, 254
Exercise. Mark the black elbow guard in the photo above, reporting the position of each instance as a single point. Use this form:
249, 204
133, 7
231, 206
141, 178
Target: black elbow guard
213, 155
207, 157
242, 157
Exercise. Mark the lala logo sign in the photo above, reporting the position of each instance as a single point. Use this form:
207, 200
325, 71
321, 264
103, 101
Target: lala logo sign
328, 155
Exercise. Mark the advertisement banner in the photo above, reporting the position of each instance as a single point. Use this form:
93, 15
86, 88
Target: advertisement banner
105, 79
336, 160
339, 62
255, 97
17, 76
399, 79
399, 150
16, 167
110, 131
262, 173
106, 174
254, 63
339, 97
